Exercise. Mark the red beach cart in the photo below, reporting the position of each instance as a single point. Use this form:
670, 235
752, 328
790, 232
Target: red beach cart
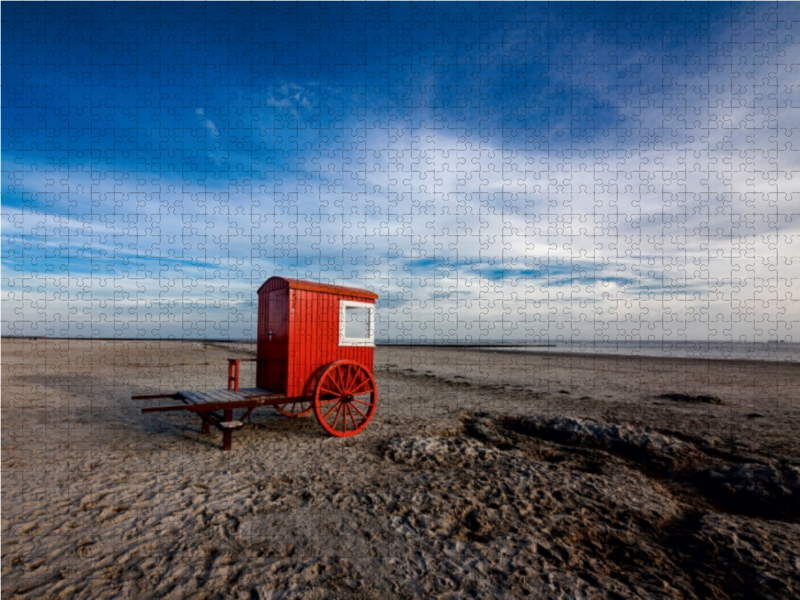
316, 345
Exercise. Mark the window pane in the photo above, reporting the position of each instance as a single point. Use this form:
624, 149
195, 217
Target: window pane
356, 324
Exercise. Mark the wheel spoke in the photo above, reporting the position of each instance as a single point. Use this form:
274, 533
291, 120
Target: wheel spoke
362, 402
352, 418
359, 412
336, 416
345, 377
361, 385
356, 381
295, 408
348, 385
341, 375
334, 383
330, 382
325, 416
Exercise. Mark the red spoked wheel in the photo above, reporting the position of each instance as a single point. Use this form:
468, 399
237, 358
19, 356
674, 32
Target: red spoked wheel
294, 409
346, 398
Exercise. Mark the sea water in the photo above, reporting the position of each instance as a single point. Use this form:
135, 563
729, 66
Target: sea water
719, 350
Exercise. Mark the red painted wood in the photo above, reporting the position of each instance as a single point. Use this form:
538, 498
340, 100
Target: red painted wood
313, 286
278, 345
304, 319
262, 339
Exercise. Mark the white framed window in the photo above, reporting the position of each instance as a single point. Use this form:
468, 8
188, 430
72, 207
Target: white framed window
356, 323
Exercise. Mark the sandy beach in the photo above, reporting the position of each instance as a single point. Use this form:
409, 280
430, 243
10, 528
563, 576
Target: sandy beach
483, 474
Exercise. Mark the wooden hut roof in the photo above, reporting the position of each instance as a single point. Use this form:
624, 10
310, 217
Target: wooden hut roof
325, 288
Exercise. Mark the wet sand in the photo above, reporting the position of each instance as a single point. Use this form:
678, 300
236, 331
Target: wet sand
483, 474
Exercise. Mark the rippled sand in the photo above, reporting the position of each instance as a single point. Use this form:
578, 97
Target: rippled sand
484, 474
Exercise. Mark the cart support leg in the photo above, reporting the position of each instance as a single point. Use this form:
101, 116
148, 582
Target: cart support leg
206, 427
233, 374
227, 434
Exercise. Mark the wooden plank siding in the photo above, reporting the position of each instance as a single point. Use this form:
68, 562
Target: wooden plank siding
312, 330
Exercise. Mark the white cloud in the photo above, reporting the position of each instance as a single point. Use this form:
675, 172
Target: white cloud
699, 208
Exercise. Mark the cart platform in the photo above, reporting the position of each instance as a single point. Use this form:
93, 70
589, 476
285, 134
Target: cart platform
215, 407
223, 395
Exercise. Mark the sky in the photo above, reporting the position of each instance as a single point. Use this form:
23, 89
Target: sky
521, 172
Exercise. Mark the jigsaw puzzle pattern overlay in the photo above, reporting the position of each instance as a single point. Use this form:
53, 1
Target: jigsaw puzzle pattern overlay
601, 178
521, 171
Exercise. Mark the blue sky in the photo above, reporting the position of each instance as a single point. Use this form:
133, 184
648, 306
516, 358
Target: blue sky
515, 171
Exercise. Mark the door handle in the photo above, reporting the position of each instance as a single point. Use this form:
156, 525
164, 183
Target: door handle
270, 335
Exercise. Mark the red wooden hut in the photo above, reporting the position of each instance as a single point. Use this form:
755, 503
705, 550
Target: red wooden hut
303, 326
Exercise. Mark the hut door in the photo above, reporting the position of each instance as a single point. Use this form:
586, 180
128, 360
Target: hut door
278, 340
